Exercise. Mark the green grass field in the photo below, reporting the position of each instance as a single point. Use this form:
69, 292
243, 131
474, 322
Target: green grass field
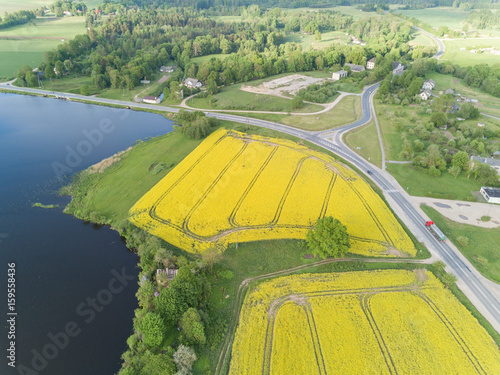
14, 54
364, 141
421, 184
63, 28
231, 97
13, 6
201, 59
465, 58
482, 248
31, 41
420, 39
487, 103
439, 16
345, 112
327, 39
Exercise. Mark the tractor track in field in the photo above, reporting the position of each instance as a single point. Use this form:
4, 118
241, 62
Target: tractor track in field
224, 355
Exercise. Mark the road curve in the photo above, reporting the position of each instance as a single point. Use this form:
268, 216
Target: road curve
441, 46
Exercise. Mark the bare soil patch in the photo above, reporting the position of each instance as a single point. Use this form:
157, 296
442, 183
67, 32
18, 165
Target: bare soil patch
285, 85
108, 162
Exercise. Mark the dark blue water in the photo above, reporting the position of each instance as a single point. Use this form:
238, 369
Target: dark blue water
75, 283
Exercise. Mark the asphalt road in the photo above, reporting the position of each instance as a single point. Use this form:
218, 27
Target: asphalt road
441, 46
469, 279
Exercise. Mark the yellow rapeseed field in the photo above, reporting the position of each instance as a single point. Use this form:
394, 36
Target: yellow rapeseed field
368, 322
237, 187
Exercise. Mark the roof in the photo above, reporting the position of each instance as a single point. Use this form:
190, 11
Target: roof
148, 97
491, 191
372, 60
449, 91
192, 80
489, 161
340, 72
431, 81
356, 68
395, 64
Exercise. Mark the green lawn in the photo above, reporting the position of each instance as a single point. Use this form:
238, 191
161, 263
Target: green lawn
327, 39
466, 58
10, 6
231, 97
345, 112
364, 141
482, 248
439, 16
487, 103
201, 59
419, 183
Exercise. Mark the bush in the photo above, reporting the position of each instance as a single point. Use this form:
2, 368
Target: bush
463, 240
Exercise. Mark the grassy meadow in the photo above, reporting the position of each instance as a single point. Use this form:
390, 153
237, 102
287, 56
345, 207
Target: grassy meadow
466, 58
438, 16
24, 44
232, 97
364, 141
481, 249
345, 112
327, 39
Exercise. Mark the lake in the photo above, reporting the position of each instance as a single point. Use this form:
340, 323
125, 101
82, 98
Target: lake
75, 283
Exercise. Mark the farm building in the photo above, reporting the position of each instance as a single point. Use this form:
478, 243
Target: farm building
429, 85
425, 94
491, 194
370, 63
151, 99
338, 75
355, 68
192, 83
449, 91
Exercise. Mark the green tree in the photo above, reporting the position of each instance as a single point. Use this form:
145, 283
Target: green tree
297, 102
158, 364
59, 69
85, 90
468, 111
454, 171
152, 329
193, 329
329, 238
184, 358
448, 279
439, 119
317, 35
460, 160
212, 88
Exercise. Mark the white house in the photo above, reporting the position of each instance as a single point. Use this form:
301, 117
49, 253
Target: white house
425, 94
429, 85
192, 83
491, 194
370, 64
151, 99
397, 67
338, 75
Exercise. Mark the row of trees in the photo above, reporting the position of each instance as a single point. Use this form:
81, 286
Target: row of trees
17, 18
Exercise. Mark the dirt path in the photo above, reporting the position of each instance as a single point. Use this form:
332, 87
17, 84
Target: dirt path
242, 289
327, 108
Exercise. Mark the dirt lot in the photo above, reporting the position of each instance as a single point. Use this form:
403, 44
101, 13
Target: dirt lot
286, 85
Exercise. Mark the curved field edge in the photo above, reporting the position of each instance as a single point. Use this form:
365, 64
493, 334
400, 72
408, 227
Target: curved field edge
266, 298
212, 183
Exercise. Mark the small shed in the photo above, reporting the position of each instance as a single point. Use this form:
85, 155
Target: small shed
151, 99
491, 194
338, 75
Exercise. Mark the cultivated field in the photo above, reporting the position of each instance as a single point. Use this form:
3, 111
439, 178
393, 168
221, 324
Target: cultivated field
370, 322
237, 188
